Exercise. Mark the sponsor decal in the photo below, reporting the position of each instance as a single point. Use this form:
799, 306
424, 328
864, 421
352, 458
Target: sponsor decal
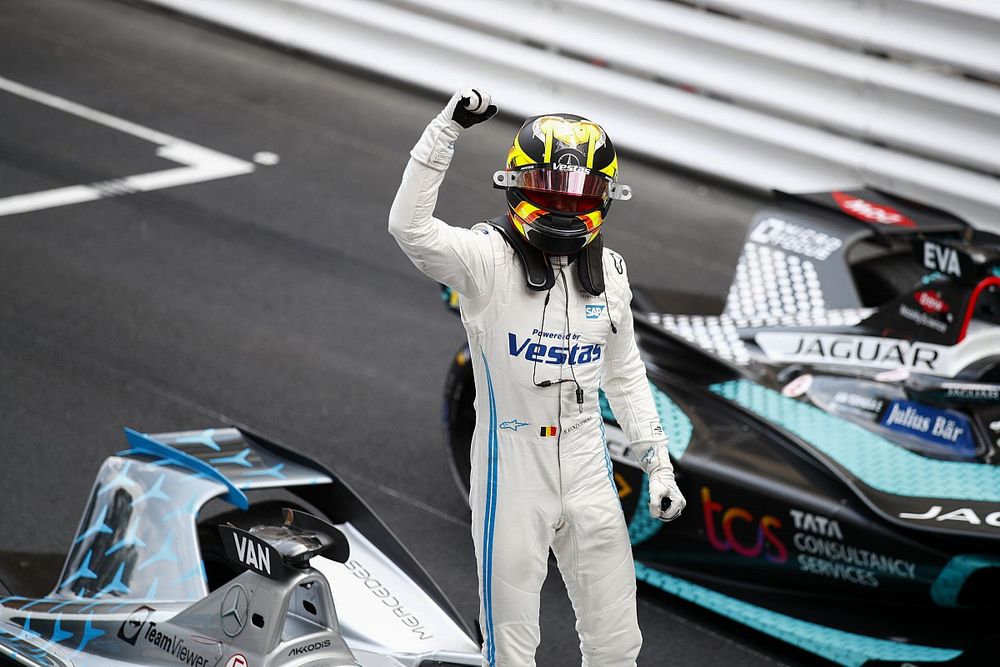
895, 375
816, 524
822, 551
798, 386
923, 319
741, 532
569, 162
648, 456
655, 429
238, 660
252, 552
576, 425
795, 238
963, 514
862, 209
309, 648
941, 258
865, 351
857, 404
175, 647
233, 611
931, 301
593, 311
940, 426
558, 355
513, 424
132, 626
548, 431
388, 599
972, 392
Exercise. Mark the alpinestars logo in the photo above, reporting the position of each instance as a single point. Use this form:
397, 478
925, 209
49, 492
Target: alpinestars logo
513, 424
862, 209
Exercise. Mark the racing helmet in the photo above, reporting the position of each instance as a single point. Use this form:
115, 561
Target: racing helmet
561, 177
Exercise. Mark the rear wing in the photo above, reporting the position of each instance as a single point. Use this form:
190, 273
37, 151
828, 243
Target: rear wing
881, 212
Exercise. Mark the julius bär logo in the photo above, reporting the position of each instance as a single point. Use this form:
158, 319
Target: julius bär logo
741, 532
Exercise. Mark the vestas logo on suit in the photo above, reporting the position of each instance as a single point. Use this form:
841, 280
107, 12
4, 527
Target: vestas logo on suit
556, 354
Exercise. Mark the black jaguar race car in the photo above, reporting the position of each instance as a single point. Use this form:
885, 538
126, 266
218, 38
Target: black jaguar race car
835, 429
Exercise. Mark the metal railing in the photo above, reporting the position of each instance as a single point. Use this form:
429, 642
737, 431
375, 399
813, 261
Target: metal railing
789, 94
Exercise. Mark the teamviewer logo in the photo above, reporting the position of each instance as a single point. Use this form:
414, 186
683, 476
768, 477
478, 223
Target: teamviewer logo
132, 626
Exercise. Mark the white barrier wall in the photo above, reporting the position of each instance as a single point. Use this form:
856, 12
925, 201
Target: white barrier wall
789, 94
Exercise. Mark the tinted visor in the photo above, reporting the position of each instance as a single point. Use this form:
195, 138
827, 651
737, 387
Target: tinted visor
570, 191
554, 201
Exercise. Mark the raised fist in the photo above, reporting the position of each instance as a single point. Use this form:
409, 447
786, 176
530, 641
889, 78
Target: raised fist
469, 106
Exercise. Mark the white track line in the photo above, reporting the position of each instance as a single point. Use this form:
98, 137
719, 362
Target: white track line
200, 163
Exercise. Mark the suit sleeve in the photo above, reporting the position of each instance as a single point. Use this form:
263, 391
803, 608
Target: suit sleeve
460, 258
627, 388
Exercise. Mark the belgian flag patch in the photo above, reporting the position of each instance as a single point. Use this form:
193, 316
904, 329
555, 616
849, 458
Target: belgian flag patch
548, 431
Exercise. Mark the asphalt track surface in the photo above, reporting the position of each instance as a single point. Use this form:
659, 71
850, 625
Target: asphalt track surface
274, 298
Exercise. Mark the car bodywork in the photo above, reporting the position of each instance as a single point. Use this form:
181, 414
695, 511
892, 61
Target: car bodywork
835, 430
148, 581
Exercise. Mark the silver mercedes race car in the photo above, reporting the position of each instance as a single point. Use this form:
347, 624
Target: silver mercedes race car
184, 557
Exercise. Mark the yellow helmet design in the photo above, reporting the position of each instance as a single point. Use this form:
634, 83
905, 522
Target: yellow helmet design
561, 177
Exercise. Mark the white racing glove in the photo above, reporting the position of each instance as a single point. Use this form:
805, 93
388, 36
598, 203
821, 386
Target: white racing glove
665, 499
470, 106
466, 107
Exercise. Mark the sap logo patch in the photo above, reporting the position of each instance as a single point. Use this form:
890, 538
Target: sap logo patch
941, 258
593, 312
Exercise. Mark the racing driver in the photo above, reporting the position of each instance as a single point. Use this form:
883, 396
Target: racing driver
546, 310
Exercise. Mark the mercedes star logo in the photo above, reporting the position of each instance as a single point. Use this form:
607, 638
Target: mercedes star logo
234, 610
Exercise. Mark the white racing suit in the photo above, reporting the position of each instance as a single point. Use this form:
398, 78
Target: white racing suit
541, 474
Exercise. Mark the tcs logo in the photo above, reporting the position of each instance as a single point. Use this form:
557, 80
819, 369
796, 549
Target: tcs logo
738, 534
